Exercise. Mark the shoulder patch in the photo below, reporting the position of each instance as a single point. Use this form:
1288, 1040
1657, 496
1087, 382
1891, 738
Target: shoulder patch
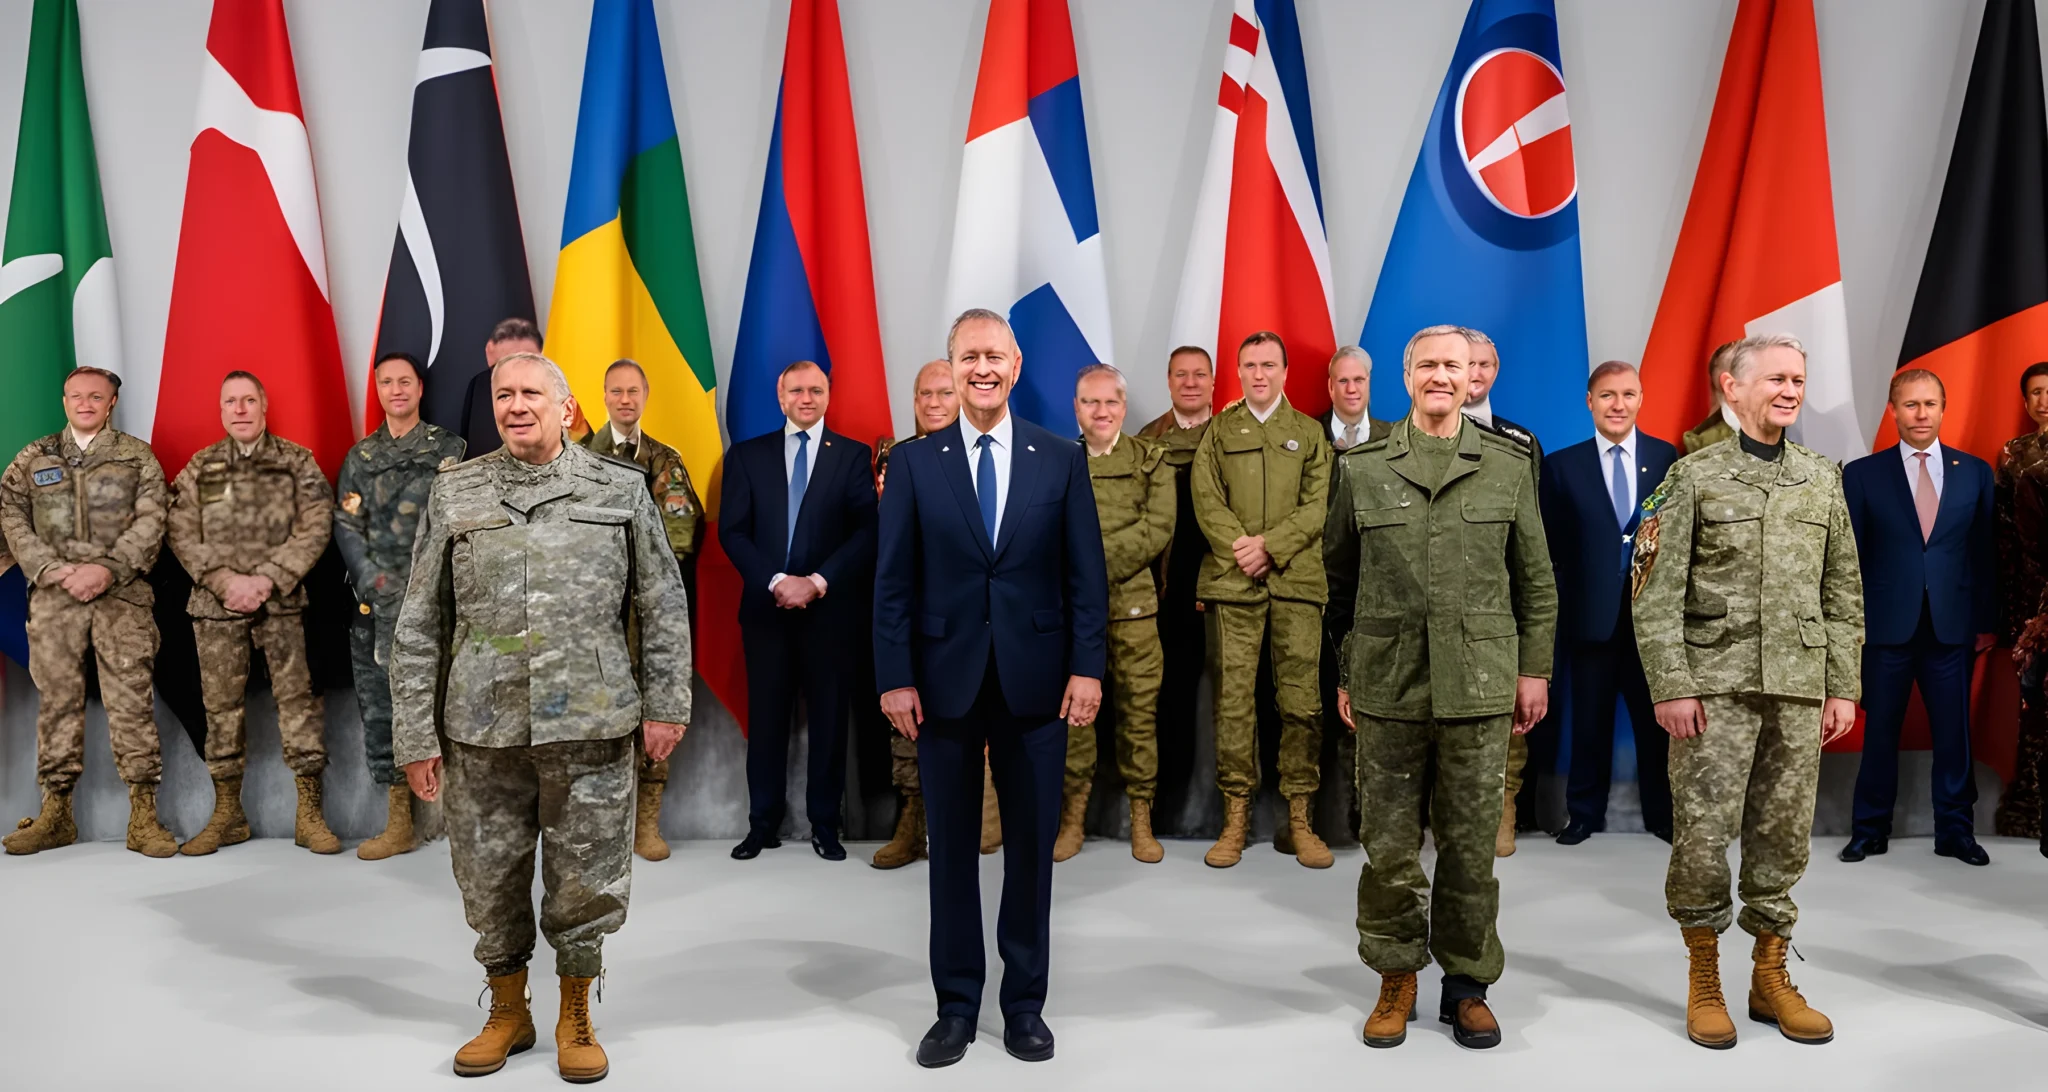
1500, 442
617, 464
49, 475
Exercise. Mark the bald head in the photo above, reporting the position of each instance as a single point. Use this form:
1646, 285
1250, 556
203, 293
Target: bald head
936, 403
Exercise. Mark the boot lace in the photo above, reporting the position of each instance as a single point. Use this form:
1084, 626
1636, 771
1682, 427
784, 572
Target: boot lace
1393, 1002
1706, 979
579, 1013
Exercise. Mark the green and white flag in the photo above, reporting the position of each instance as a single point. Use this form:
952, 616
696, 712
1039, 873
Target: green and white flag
57, 302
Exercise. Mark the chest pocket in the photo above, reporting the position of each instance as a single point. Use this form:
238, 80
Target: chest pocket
474, 551
1371, 519
247, 506
53, 503
109, 501
1730, 523
1486, 528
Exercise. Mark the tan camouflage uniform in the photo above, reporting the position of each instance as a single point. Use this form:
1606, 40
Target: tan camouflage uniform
513, 645
105, 505
264, 513
1747, 597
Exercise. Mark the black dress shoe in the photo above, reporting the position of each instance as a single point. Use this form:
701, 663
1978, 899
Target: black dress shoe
1964, 849
946, 1042
1472, 1022
1860, 847
751, 846
1574, 832
1027, 1038
826, 843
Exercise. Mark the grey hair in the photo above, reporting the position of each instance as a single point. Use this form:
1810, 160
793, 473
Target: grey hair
1123, 390
557, 383
1408, 354
1355, 353
974, 314
1742, 352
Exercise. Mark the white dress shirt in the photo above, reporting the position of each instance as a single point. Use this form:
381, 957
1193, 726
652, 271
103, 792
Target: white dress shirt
84, 442
1934, 466
999, 437
1188, 422
1337, 427
1270, 410
1481, 411
789, 445
621, 439
1606, 448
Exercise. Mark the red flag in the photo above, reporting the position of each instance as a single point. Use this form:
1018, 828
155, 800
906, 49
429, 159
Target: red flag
250, 290
1756, 254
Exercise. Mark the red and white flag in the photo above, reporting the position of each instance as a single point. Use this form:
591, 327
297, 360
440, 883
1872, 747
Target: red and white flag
250, 291
1757, 254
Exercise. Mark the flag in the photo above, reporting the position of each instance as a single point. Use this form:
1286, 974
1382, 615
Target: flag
458, 266
250, 287
1258, 258
1756, 253
1488, 235
1026, 239
626, 285
57, 304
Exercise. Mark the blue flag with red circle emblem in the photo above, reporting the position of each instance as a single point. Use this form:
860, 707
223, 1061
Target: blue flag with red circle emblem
1488, 235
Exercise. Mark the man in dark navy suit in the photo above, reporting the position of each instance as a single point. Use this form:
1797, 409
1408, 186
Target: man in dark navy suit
798, 520
991, 618
1592, 498
1923, 519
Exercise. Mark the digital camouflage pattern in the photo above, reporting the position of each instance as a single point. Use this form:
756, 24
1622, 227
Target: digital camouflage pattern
575, 799
105, 505
2021, 506
1709, 432
1402, 923
1749, 598
682, 515
384, 485
264, 513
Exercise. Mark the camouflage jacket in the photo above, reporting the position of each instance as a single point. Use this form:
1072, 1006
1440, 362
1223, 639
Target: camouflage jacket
1270, 479
1179, 445
1711, 431
2020, 492
1447, 593
682, 515
515, 626
267, 513
1134, 502
1745, 578
384, 486
105, 505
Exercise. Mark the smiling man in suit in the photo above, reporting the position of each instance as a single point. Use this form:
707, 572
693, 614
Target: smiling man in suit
1591, 497
1923, 519
798, 521
991, 619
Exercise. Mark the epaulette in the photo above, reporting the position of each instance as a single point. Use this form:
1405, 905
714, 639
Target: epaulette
1369, 445
645, 475
1504, 442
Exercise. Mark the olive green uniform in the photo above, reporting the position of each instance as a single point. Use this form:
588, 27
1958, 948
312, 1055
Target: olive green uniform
1747, 597
1268, 478
1707, 433
1437, 557
1181, 620
1134, 498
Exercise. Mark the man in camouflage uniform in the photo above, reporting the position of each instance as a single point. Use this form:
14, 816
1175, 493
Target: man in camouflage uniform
1133, 486
682, 517
1191, 383
384, 486
249, 517
1437, 559
83, 510
1749, 612
1719, 424
513, 646
1261, 481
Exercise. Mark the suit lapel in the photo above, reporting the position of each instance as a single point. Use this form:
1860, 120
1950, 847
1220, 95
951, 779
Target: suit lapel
774, 489
1025, 462
953, 466
1951, 499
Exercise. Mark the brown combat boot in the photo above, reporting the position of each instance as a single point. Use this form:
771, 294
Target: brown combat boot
647, 840
1504, 840
310, 829
229, 826
1144, 846
907, 844
508, 1030
50, 829
146, 835
1388, 1024
577, 1054
991, 815
1303, 842
1774, 1000
1073, 826
1237, 821
398, 836
1706, 1013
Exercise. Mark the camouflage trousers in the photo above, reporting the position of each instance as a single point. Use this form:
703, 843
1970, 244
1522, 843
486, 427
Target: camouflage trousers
224, 683
2020, 806
123, 637
576, 800
1135, 665
1400, 927
369, 649
1518, 762
903, 764
1752, 774
1288, 636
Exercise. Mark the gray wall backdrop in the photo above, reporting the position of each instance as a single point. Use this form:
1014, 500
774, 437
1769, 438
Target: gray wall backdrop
1642, 78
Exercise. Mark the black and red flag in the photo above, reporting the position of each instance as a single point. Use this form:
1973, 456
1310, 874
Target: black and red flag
458, 266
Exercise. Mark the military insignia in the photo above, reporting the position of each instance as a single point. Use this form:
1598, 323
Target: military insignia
49, 476
448, 463
1294, 445
363, 608
1645, 556
352, 503
1656, 498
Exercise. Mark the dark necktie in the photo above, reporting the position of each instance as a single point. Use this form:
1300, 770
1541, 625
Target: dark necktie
627, 450
985, 484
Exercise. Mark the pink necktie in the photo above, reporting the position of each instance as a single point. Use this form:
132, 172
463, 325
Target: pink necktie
1924, 500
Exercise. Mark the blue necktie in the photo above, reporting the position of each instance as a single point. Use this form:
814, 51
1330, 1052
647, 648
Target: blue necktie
985, 484
1618, 486
799, 480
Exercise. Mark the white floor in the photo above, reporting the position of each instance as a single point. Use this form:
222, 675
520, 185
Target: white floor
265, 968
